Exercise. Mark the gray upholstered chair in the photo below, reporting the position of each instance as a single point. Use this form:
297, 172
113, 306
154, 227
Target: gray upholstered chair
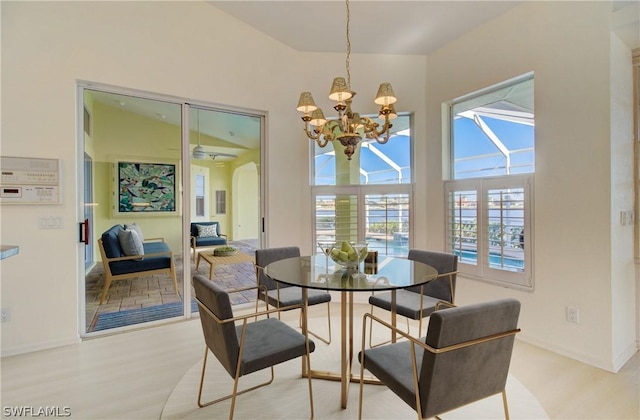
246, 348
279, 294
419, 302
464, 358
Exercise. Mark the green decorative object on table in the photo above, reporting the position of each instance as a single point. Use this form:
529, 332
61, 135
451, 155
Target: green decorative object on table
224, 251
348, 254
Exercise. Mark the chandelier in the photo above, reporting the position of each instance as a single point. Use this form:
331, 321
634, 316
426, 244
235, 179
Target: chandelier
349, 127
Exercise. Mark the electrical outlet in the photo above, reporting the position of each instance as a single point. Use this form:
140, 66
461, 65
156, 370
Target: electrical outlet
573, 314
5, 315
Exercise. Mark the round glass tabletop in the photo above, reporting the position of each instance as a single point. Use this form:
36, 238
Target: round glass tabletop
318, 272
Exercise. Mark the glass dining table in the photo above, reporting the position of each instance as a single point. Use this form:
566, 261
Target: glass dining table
319, 272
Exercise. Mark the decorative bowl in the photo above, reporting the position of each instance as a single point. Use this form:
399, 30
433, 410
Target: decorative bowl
224, 251
348, 254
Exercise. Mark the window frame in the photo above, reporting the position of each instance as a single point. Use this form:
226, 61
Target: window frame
481, 270
481, 185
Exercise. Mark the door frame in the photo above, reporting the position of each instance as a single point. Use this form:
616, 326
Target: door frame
186, 104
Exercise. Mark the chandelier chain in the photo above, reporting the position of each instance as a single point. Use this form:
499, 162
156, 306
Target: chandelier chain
349, 128
348, 60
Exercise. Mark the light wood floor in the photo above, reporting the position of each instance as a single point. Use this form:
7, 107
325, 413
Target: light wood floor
131, 375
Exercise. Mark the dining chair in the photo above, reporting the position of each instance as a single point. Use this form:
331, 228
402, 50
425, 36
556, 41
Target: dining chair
280, 294
419, 302
248, 347
464, 358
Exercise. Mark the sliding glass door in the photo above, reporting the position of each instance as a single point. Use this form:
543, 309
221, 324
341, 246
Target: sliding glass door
157, 165
135, 144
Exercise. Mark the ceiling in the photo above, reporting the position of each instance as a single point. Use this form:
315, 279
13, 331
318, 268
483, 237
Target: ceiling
389, 27
418, 27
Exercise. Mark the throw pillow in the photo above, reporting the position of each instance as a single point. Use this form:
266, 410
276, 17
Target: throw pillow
130, 243
137, 228
207, 231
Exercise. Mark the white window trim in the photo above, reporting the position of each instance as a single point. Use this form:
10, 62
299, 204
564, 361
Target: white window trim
482, 272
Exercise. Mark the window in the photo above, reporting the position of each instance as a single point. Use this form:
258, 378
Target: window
200, 195
382, 219
336, 217
387, 223
369, 197
221, 202
489, 198
379, 164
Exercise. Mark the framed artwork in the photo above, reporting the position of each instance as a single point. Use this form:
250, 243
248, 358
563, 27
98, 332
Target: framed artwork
144, 187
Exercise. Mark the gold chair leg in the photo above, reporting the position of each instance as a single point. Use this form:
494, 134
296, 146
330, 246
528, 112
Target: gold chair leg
232, 395
309, 377
371, 345
504, 402
364, 328
324, 340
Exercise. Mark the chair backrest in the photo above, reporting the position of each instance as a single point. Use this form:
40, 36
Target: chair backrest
444, 263
110, 242
458, 377
267, 256
194, 227
221, 339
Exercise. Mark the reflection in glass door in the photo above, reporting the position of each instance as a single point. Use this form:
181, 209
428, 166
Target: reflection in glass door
144, 198
136, 183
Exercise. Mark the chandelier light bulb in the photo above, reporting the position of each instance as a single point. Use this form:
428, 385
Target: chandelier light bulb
339, 90
317, 118
306, 103
385, 95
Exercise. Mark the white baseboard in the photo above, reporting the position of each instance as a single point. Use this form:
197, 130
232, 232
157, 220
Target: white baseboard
14, 351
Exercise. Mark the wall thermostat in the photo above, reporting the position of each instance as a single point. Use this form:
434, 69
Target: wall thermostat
29, 181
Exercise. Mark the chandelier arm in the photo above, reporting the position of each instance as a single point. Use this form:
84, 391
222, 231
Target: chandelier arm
372, 132
312, 135
323, 142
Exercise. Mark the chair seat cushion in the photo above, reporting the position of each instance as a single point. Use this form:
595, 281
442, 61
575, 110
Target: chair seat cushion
269, 342
148, 263
210, 241
407, 303
293, 296
392, 365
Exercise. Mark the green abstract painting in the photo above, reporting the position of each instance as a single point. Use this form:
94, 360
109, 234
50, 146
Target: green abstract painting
146, 187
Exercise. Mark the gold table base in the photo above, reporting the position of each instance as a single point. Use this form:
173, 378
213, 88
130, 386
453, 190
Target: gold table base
346, 348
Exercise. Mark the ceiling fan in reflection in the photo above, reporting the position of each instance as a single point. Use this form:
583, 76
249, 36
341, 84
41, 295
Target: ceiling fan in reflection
199, 152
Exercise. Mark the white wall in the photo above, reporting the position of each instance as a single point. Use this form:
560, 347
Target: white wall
567, 45
189, 49
186, 49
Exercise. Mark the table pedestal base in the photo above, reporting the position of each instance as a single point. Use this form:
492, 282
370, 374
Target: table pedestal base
346, 351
